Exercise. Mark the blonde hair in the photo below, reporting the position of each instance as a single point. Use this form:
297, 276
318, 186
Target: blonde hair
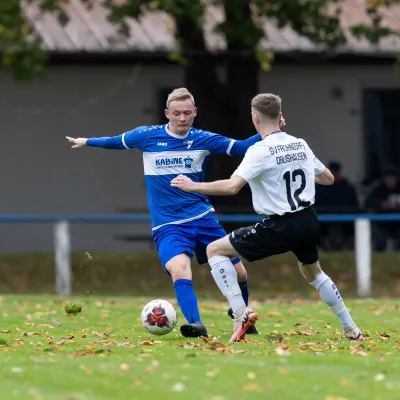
268, 105
179, 95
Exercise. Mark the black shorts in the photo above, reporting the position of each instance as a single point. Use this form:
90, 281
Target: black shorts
297, 232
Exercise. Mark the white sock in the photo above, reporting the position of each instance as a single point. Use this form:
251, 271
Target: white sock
331, 296
225, 276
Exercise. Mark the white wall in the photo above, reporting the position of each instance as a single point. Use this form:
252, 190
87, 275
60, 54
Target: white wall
39, 171
40, 174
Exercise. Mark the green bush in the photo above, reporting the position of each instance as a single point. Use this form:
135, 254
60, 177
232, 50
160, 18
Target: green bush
141, 273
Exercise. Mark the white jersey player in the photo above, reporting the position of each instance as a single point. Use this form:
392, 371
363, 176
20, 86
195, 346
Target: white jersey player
281, 171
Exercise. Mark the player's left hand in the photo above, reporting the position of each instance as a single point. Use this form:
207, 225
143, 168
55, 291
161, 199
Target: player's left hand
282, 122
182, 182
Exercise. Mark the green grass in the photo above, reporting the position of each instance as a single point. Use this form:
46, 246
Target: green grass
104, 353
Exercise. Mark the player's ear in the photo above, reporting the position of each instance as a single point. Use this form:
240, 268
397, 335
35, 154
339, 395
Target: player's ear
166, 112
195, 111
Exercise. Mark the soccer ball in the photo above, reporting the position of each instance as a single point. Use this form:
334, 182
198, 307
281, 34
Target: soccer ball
159, 317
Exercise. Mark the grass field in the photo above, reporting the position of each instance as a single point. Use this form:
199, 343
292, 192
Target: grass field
104, 353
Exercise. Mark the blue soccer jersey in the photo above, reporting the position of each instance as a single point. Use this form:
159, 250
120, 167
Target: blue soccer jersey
167, 155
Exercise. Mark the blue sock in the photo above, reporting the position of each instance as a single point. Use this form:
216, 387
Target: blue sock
187, 300
245, 291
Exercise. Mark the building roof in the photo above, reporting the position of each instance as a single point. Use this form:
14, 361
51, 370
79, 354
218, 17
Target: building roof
90, 31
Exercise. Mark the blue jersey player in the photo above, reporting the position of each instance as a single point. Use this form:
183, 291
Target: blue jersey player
183, 224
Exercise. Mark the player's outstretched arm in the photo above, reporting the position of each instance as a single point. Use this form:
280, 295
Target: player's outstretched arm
134, 139
225, 187
113, 142
240, 147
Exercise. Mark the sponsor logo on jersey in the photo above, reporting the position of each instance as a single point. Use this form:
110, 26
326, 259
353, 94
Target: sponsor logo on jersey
169, 162
164, 144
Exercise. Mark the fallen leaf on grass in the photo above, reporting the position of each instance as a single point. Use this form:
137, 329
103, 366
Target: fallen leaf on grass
85, 369
283, 350
274, 338
301, 333
360, 353
5, 331
190, 345
100, 352
124, 367
139, 381
252, 387
311, 346
282, 370
223, 350
239, 351
178, 387
31, 334
251, 375
69, 337
272, 314
146, 343
334, 398
380, 377
249, 341
213, 373
151, 369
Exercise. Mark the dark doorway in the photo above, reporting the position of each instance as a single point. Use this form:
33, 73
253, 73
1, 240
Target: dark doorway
381, 130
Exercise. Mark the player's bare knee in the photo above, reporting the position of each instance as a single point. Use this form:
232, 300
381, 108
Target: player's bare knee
179, 269
212, 249
310, 271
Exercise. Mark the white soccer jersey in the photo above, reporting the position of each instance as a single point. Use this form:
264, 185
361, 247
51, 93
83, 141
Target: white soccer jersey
280, 171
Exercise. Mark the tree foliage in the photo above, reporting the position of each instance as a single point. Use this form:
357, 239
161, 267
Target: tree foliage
317, 20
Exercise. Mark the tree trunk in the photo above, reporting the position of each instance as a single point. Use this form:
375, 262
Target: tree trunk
224, 107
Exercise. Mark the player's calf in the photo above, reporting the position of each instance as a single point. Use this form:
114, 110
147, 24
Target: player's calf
330, 295
179, 268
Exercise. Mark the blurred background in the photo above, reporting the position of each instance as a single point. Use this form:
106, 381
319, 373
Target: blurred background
99, 68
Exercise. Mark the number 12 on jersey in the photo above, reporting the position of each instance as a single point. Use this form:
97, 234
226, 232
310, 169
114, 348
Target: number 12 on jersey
290, 177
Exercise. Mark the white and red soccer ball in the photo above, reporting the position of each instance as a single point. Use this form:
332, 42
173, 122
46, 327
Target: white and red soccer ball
159, 317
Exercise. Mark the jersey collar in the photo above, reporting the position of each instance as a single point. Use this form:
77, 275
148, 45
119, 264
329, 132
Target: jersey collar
273, 133
174, 135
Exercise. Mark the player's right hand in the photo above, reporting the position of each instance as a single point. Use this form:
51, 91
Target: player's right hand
77, 142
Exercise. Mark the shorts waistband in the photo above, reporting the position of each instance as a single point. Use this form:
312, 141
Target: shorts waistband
288, 214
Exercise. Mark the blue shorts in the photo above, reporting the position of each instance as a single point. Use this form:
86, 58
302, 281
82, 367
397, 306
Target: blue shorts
191, 238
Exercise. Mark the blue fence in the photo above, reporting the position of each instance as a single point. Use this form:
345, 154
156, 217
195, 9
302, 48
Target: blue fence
117, 218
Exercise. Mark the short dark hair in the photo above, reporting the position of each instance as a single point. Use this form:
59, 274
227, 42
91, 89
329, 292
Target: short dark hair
268, 105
